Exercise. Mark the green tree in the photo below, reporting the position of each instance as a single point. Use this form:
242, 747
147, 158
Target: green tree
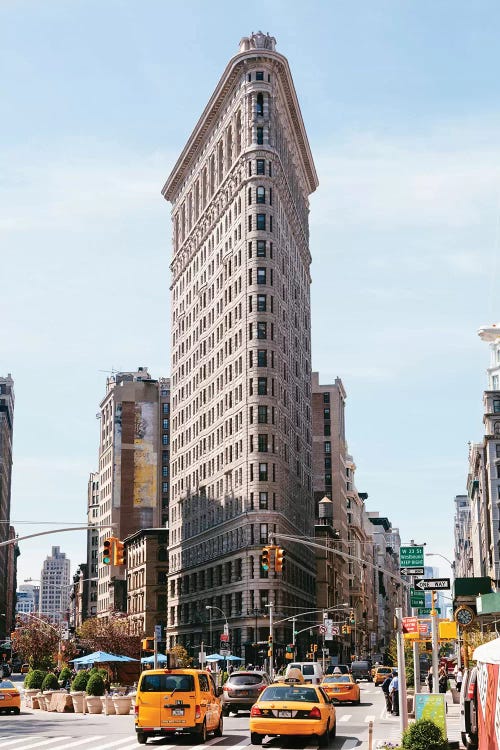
392, 656
115, 636
182, 657
37, 642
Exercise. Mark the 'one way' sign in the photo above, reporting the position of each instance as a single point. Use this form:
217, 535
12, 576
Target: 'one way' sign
432, 583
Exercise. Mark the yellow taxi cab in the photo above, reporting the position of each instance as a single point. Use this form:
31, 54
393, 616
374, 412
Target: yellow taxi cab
25, 668
170, 701
342, 687
290, 707
10, 697
381, 673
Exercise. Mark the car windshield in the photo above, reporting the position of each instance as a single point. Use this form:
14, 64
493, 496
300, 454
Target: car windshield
384, 670
4, 684
290, 693
245, 679
167, 683
337, 678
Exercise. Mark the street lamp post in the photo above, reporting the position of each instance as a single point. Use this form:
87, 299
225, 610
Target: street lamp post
210, 607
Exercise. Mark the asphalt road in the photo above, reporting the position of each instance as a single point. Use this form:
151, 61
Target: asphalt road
49, 731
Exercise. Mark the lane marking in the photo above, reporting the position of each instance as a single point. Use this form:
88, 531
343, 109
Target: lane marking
370, 717
37, 742
345, 717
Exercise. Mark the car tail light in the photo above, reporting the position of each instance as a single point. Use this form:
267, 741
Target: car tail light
226, 689
197, 712
471, 691
136, 709
255, 711
315, 713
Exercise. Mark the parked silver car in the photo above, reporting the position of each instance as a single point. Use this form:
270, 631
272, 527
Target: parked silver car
468, 709
242, 690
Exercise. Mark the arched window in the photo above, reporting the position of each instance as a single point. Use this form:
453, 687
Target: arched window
261, 194
260, 105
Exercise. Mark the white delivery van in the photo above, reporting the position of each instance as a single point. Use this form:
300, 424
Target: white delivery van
312, 671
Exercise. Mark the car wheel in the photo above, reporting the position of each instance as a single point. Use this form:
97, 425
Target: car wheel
16, 711
141, 738
220, 728
202, 734
470, 743
235, 711
225, 711
256, 739
357, 703
324, 738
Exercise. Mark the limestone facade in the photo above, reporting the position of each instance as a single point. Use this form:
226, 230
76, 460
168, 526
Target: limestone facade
241, 352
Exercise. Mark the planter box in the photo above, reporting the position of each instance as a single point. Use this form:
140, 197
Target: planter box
123, 704
78, 698
94, 704
108, 705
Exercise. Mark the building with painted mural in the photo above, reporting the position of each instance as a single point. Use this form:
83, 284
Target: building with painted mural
133, 476
241, 355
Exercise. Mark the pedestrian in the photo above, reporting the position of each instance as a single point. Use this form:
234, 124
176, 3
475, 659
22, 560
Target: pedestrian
443, 680
385, 688
459, 675
394, 693
429, 679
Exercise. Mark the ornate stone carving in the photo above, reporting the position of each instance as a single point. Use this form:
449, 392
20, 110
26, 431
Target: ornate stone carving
258, 41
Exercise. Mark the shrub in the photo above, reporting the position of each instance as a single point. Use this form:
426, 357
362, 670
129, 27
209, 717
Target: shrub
95, 685
80, 681
34, 679
50, 682
423, 735
65, 674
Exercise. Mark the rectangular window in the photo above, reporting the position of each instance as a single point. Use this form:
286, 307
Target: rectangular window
259, 75
263, 502
328, 447
496, 405
164, 471
261, 357
327, 429
261, 221
261, 330
165, 424
261, 302
497, 448
328, 479
262, 414
249, 249
498, 471
263, 473
326, 413
165, 408
328, 462
263, 444
260, 166
164, 487
260, 136
261, 248
261, 275
326, 398
164, 439
262, 389
250, 223
261, 194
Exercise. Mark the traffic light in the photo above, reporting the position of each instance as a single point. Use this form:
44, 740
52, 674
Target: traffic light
279, 559
107, 550
352, 619
265, 559
270, 646
119, 553
148, 644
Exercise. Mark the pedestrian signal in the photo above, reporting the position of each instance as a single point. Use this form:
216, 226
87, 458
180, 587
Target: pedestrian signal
119, 553
279, 559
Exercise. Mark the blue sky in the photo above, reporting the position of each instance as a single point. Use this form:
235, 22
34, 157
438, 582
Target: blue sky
402, 108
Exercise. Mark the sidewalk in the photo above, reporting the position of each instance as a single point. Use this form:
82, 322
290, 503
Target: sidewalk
393, 732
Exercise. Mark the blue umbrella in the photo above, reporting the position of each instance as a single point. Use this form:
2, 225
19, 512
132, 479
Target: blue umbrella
214, 657
233, 658
100, 656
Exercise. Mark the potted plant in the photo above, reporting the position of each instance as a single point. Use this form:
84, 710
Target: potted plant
423, 735
49, 685
122, 704
33, 684
64, 676
78, 687
95, 688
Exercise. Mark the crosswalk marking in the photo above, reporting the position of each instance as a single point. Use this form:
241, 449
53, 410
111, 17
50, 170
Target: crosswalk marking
370, 717
345, 717
37, 743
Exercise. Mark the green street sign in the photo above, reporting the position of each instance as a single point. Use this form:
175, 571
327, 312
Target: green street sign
411, 557
428, 610
417, 598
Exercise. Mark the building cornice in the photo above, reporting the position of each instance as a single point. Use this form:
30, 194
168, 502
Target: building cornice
213, 109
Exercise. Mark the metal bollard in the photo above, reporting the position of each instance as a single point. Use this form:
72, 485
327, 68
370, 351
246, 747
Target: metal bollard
370, 735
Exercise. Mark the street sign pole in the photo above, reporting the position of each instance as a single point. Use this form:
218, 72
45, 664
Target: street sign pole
435, 645
416, 654
403, 703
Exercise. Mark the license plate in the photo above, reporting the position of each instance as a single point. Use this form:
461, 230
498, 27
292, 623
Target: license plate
337, 690
284, 714
177, 712
242, 692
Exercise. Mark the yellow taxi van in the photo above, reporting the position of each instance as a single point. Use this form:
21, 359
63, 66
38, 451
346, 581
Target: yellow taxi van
170, 701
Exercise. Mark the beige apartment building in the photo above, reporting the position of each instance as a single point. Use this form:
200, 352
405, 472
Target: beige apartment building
133, 477
241, 356
147, 570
